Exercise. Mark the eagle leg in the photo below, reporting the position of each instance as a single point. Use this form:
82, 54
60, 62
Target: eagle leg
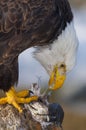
15, 98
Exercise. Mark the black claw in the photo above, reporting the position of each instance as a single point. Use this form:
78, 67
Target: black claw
40, 99
43, 100
31, 92
56, 113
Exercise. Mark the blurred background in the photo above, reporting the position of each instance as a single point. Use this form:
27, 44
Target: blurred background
72, 96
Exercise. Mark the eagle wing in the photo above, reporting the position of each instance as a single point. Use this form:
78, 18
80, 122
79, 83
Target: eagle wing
26, 23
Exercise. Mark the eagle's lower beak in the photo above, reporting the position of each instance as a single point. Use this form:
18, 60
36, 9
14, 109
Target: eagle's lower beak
56, 79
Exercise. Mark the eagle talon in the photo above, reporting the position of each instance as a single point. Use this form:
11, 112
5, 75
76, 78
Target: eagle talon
15, 98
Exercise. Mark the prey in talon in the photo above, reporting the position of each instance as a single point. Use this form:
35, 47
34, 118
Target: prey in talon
46, 114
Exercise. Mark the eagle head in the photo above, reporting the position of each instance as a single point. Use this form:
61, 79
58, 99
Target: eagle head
59, 57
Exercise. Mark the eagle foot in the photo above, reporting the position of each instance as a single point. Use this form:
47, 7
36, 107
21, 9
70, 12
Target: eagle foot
15, 98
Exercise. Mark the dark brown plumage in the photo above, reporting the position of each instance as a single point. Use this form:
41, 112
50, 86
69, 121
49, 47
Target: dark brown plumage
24, 24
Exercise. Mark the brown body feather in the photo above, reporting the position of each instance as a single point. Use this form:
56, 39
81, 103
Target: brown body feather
27, 23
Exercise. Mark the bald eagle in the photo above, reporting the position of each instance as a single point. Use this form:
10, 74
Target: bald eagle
46, 25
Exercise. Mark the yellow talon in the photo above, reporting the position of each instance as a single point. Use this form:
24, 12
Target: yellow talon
14, 98
23, 93
3, 100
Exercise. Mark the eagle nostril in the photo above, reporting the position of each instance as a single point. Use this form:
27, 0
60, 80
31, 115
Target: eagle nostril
62, 66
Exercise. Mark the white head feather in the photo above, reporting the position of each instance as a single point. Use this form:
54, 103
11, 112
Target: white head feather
63, 50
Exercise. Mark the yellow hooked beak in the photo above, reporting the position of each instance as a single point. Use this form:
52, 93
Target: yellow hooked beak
56, 79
